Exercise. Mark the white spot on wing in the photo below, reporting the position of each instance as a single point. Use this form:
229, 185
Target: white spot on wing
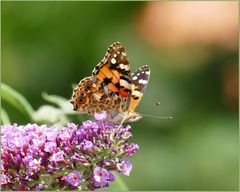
147, 72
134, 78
138, 74
124, 83
113, 60
142, 81
126, 67
136, 93
115, 55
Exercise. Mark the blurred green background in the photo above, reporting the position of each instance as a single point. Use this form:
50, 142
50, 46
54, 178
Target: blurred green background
193, 55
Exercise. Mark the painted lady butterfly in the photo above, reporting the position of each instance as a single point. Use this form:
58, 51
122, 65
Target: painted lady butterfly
112, 88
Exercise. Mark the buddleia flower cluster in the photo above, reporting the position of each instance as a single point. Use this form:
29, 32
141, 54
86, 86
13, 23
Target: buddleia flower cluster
76, 157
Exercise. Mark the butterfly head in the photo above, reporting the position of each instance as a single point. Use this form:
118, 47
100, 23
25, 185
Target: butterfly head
124, 117
133, 116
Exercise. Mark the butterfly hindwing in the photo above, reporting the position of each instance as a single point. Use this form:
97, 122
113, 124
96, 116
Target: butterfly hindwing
139, 80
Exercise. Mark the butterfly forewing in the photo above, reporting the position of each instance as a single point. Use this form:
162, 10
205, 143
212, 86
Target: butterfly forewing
113, 72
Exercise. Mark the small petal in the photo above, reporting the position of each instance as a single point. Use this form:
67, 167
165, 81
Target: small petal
3, 179
87, 145
125, 167
100, 116
58, 156
74, 178
50, 147
101, 176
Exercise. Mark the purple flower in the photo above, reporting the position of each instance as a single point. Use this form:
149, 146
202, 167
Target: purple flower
72, 126
126, 134
125, 167
21, 141
89, 126
34, 163
50, 147
52, 135
39, 187
101, 177
65, 135
87, 145
100, 116
3, 179
41, 153
131, 149
27, 159
111, 177
34, 166
74, 178
58, 156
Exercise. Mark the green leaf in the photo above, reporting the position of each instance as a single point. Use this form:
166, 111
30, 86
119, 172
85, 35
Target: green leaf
4, 117
49, 114
61, 102
117, 185
16, 100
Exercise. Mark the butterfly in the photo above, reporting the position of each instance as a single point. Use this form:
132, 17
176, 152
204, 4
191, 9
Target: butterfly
112, 88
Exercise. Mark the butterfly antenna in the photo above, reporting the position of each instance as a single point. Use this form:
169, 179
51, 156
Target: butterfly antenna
157, 117
153, 105
146, 115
